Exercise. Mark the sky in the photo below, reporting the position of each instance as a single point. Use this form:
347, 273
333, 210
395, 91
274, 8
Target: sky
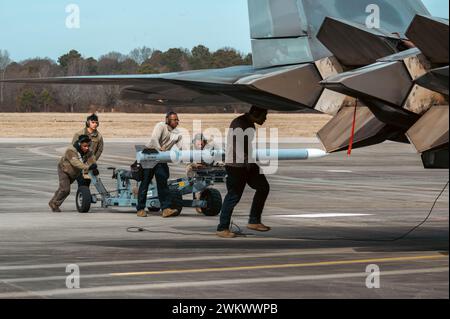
31, 29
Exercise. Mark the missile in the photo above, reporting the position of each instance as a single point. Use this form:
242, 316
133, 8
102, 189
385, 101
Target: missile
148, 158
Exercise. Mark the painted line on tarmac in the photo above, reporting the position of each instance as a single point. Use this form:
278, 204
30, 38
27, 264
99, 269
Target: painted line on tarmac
182, 259
296, 213
322, 215
227, 269
282, 266
338, 171
214, 283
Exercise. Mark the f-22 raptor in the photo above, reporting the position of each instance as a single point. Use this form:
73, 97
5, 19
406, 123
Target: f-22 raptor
380, 67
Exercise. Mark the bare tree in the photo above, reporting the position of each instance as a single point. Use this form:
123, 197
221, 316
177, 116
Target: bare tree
4, 59
71, 94
140, 55
111, 95
4, 62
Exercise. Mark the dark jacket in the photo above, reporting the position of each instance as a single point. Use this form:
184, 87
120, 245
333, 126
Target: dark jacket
239, 151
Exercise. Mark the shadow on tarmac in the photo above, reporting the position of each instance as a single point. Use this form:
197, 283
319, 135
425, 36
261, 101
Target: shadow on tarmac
361, 240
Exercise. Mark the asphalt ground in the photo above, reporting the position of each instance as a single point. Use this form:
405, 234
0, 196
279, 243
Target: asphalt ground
331, 219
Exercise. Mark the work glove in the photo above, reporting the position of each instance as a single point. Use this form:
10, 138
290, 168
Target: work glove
93, 167
95, 172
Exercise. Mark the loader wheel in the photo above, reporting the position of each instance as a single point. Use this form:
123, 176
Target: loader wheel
213, 199
83, 199
177, 200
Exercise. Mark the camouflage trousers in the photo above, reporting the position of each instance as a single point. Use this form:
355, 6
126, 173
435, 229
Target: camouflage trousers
64, 188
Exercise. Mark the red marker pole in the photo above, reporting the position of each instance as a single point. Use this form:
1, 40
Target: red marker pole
352, 136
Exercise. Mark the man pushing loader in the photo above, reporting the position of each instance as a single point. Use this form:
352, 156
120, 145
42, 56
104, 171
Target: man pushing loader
78, 159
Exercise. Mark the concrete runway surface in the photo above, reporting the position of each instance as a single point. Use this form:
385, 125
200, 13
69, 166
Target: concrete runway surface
331, 218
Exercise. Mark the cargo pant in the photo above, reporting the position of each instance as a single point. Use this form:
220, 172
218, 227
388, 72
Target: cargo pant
237, 179
162, 174
64, 188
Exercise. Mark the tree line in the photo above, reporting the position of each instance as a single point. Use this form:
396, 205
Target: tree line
83, 98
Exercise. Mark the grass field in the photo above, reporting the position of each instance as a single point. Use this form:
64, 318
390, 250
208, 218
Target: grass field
125, 125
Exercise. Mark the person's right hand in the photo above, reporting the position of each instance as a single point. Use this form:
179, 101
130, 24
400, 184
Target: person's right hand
93, 167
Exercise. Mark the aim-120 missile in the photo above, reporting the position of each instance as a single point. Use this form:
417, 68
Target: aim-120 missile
148, 158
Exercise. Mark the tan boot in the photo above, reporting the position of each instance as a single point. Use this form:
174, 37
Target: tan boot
225, 234
168, 212
259, 227
199, 210
54, 208
142, 213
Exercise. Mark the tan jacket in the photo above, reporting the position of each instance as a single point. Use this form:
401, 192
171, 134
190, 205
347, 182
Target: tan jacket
164, 138
72, 163
97, 141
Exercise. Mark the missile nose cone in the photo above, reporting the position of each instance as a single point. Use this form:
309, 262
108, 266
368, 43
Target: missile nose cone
316, 153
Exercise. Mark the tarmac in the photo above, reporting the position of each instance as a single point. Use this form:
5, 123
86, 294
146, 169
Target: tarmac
334, 221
